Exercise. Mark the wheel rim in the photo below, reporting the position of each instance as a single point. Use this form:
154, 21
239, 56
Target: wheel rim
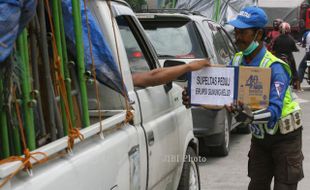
193, 177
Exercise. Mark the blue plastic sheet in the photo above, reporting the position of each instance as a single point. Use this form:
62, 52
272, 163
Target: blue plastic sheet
106, 69
14, 16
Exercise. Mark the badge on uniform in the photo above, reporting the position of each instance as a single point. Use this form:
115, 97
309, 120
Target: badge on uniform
279, 87
257, 131
297, 119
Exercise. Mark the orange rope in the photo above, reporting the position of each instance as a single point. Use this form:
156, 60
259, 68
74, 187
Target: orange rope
20, 121
93, 67
26, 163
73, 133
129, 114
26, 160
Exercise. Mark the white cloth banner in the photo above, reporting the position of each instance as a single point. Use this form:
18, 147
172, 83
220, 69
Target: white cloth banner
212, 86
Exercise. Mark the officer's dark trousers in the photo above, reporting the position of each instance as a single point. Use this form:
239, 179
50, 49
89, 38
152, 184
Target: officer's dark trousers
276, 156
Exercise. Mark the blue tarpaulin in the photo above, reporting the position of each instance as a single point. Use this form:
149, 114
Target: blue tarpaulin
106, 68
14, 15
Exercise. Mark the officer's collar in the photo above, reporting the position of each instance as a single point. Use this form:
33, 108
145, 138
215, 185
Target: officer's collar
257, 58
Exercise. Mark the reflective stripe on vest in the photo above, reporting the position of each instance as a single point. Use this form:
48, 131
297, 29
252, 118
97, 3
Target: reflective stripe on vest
257, 130
289, 105
237, 59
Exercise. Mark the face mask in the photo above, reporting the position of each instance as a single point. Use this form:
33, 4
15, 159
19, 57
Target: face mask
254, 44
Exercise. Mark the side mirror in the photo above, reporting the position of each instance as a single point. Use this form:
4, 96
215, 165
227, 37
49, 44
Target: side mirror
172, 63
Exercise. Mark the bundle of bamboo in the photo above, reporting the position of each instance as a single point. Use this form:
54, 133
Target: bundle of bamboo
39, 78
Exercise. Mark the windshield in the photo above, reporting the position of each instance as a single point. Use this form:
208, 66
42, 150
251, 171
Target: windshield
174, 39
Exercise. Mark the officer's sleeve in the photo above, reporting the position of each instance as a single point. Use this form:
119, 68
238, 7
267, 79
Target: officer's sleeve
280, 81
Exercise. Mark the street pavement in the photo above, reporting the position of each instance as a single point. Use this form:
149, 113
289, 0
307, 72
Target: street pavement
230, 172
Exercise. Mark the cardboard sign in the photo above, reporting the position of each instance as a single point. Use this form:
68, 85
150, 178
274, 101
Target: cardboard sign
212, 86
254, 86
218, 86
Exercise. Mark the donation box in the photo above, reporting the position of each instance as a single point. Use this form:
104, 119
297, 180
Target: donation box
219, 86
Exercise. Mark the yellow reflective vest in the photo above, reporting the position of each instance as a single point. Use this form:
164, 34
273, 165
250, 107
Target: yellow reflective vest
289, 105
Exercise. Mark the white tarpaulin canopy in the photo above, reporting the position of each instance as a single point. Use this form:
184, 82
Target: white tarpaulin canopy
228, 8
287, 10
279, 3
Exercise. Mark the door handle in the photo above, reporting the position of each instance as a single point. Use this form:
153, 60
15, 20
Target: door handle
150, 138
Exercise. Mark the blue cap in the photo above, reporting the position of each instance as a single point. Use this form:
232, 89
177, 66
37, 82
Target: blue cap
250, 17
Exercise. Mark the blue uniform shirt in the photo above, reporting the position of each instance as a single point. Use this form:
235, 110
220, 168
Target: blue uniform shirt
280, 81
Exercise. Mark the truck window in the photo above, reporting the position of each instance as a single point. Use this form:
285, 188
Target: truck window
219, 44
228, 42
135, 55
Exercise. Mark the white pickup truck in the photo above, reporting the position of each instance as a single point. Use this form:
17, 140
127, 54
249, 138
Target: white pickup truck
155, 151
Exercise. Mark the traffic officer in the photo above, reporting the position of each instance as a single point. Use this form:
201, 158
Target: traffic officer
276, 131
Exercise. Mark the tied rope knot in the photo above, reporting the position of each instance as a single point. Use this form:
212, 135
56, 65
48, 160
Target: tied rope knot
129, 116
73, 134
26, 163
28, 155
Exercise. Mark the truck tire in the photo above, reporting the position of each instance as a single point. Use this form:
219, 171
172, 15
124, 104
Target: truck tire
223, 149
190, 179
243, 129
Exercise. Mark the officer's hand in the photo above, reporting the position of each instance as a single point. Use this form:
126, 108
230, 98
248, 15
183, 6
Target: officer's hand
241, 112
185, 98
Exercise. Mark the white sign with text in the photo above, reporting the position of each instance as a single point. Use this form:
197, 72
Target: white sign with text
212, 86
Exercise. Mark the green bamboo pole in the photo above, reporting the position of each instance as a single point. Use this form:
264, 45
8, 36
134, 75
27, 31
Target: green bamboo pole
217, 8
4, 127
59, 49
65, 64
31, 130
31, 139
79, 8
54, 122
76, 13
16, 141
40, 123
25, 81
173, 3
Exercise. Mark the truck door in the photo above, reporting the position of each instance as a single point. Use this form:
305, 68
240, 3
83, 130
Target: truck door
158, 117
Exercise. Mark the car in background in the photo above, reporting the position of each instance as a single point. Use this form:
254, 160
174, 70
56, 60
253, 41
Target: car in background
186, 36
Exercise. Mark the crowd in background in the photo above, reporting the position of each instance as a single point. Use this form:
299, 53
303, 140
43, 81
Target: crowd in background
280, 42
